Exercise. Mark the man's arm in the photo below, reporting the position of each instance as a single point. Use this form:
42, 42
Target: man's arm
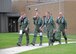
65, 24
27, 22
34, 18
19, 24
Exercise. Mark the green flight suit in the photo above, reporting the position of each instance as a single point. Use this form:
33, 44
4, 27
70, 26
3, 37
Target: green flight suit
50, 26
38, 24
23, 24
62, 26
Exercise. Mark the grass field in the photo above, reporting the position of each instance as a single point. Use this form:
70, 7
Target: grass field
10, 39
57, 49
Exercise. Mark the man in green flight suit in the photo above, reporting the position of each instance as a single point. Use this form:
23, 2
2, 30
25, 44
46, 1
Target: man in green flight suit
38, 23
50, 26
23, 27
62, 25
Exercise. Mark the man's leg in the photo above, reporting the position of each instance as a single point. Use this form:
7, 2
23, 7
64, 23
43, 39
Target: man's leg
49, 40
64, 35
20, 40
34, 39
40, 38
48, 37
51, 37
54, 37
48, 34
27, 39
59, 34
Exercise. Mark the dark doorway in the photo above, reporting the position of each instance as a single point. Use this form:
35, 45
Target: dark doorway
13, 24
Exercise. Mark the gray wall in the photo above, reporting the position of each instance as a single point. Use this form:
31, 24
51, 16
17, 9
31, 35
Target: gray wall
5, 5
3, 23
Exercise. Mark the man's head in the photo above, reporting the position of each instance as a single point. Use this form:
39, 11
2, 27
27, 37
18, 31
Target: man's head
48, 14
37, 14
60, 14
23, 15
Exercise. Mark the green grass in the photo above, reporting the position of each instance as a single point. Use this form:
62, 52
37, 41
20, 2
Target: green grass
58, 49
72, 36
10, 39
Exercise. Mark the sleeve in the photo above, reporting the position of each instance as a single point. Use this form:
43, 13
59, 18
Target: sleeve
27, 22
40, 21
57, 20
43, 23
54, 26
33, 20
65, 24
51, 20
19, 22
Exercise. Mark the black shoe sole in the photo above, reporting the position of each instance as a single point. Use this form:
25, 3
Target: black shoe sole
33, 44
18, 44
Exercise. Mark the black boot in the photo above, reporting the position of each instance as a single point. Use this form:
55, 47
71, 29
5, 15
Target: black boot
40, 41
49, 42
59, 41
18, 44
66, 41
27, 42
33, 44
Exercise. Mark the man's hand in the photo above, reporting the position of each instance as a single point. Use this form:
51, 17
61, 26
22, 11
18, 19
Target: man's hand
40, 29
25, 29
34, 17
20, 32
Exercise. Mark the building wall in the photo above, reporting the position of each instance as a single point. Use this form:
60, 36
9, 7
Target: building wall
18, 6
30, 10
42, 8
3, 23
70, 14
5, 6
68, 7
69, 0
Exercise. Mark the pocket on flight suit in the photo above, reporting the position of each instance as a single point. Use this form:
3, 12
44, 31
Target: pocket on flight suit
57, 35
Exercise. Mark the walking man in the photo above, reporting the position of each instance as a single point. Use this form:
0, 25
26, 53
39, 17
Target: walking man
50, 26
62, 25
37, 23
23, 27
